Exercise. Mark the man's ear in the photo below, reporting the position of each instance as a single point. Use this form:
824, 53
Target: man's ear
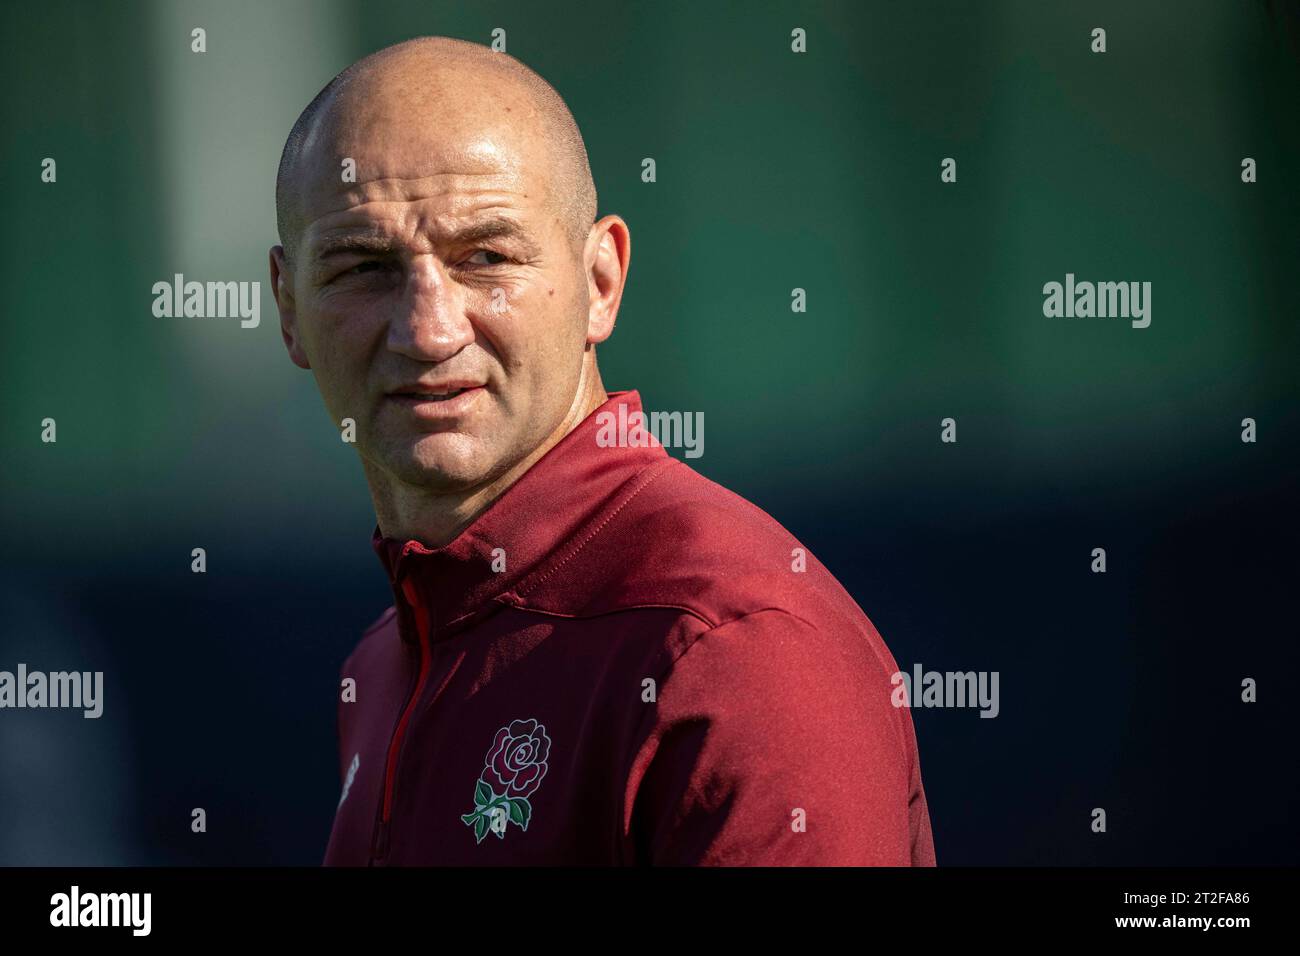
606, 255
282, 289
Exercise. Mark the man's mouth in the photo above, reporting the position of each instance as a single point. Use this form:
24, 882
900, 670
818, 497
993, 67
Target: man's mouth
435, 396
438, 401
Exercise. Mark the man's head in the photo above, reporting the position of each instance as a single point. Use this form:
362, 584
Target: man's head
436, 209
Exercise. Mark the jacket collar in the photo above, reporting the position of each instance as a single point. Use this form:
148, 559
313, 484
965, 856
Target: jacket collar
524, 531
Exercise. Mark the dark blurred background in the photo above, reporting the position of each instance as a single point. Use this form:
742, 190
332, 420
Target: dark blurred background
775, 171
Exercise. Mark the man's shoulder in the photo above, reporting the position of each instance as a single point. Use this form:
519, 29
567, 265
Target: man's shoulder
683, 514
684, 540
377, 641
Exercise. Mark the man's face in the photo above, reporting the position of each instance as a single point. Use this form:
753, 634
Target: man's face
437, 298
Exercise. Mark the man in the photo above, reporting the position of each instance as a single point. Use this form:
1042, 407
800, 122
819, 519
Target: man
595, 655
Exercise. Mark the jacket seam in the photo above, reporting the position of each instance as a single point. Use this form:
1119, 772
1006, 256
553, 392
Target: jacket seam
703, 634
568, 616
533, 581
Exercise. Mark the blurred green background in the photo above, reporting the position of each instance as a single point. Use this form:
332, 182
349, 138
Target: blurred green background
775, 171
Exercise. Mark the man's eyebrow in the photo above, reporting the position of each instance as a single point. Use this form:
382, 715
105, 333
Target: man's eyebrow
378, 244
352, 243
496, 228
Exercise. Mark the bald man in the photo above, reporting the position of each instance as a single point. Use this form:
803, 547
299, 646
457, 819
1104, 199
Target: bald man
594, 655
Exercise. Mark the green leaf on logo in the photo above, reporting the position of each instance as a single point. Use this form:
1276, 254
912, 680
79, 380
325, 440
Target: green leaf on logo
480, 829
520, 811
483, 794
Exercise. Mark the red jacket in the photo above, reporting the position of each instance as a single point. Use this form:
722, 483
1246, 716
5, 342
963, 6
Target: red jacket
617, 663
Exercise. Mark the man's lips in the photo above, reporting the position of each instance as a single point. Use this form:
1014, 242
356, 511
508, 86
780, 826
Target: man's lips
435, 390
440, 400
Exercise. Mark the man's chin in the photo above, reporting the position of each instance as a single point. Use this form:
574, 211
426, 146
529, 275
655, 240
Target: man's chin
443, 464
442, 478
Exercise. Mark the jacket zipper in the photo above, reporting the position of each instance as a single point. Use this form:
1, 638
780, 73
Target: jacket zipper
421, 614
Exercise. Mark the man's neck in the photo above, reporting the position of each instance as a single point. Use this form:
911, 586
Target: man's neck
409, 512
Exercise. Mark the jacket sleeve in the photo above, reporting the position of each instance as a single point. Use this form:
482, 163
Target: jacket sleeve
773, 743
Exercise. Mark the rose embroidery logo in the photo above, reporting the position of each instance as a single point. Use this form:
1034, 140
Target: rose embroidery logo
512, 771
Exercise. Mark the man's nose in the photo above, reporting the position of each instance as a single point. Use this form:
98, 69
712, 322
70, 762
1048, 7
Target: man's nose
431, 324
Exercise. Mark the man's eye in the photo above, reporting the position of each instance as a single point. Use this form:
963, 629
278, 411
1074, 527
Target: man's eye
500, 258
370, 265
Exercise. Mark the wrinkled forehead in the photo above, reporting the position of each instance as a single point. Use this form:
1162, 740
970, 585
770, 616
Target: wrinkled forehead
450, 149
